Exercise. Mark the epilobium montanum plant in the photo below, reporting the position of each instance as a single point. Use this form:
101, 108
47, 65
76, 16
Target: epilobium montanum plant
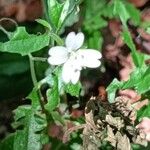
50, 106
73, 58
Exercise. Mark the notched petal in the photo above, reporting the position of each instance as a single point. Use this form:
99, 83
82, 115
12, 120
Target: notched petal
79, 39
56, 60
70, 40
58, 51
90, 53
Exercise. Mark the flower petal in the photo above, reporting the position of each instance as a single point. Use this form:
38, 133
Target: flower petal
58, 51
58, 55
66, 76
56, 60
90, 53
89, 58
74, 41
70, 41
70, 73
91, 63
75, 76
79, 39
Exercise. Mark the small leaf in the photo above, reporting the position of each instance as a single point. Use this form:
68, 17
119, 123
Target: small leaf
57, 39
123, 142
138, 58
58, 12
112, 89
144, 112
135, 77
57, 117
44, 23
134, 13
27, 138
120, 9
23, 43
52, 96
34, 98
110, 136
72, 89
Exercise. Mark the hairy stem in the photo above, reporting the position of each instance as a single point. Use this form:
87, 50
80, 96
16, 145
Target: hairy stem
39, 59
34, 79
32, 69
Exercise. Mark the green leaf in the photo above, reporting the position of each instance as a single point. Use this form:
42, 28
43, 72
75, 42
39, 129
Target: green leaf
30, 136
58, 12
57, 117
13, 64
138, 58
112, 89
139, 80
23, 43
34, 98
144, 85
73, 89
126, 11
120, 9
57, 39
95, 40
44, 23
148, 30
134, 13
135, 77
7, 143
53, 96
144, 112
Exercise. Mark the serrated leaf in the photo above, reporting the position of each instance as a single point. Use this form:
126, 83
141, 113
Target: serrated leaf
139, 80
135, 77
34, 97
53, 96
112, 89
27, 138
73, 89
138, 58
23, 43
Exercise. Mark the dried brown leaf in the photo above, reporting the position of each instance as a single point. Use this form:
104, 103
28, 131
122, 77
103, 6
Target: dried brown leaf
110, 136
139, 140
115, 121
123, 142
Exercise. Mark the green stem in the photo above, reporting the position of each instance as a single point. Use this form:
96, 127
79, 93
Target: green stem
32, 69
34, 79
39, 59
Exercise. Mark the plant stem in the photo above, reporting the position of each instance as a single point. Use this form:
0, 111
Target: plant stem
34, 79
39, 59
32, 69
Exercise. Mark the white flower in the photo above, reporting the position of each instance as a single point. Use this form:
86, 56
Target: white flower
73, 58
